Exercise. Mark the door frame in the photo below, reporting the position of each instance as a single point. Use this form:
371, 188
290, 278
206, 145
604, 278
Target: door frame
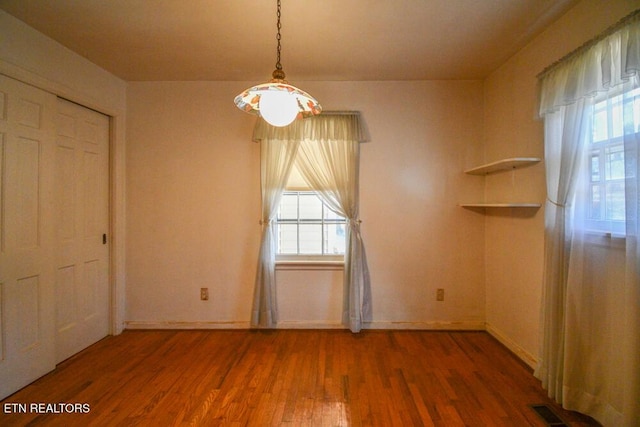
117, 205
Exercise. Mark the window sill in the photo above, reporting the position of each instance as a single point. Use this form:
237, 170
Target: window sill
605, 239
309, 264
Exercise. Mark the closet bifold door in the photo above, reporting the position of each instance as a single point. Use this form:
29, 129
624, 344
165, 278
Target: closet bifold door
82, 225
27, 249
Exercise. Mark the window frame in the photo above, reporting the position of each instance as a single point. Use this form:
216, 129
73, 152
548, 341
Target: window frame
601, 148
301, 257
602, 222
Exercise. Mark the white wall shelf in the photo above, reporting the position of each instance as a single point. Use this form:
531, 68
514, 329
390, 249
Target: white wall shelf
503, 165
500, 166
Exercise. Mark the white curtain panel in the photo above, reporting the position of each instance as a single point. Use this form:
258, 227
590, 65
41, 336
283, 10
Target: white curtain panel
330, 168
590, 320
277, 156
563, 152
326, 151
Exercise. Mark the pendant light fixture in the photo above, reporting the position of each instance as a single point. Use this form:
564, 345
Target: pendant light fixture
276, 101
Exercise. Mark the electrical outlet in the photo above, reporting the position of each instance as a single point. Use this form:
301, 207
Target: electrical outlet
440, 294
204, 294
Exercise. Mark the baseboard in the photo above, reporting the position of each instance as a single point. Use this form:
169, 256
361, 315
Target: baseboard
465, 325
434, 325
516, 349
284, 324
133, 324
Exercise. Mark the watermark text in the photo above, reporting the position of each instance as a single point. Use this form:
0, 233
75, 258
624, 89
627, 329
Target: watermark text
45, 408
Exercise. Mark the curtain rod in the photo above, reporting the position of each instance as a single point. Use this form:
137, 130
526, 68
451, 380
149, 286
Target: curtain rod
635, 15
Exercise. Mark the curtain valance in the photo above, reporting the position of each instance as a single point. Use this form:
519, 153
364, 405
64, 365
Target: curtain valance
606, 62
328, 126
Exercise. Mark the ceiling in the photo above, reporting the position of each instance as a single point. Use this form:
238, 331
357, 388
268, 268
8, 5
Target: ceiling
157, 40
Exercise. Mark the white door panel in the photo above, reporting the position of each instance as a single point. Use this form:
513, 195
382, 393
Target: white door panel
82, 218
27, 150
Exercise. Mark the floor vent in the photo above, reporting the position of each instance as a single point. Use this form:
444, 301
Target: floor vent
548, 416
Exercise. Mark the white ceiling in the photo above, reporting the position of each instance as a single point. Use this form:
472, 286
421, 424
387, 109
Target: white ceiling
140, 40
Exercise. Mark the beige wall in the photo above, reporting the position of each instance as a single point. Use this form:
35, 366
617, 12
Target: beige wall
193, 211
514, 239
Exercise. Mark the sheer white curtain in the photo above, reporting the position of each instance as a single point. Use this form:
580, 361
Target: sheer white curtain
331, 168
277, 156
565, 131
590, 350
326, 149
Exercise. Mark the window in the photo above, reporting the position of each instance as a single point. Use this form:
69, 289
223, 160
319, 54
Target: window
604, 200
306, 226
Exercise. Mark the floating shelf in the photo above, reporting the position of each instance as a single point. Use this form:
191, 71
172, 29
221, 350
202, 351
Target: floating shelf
502, 165
500, 205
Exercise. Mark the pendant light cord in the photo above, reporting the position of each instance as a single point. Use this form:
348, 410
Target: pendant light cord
278, 73
278, 37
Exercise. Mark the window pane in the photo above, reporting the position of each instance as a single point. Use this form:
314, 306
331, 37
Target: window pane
600, 130
615, 162
331, 215
311, 238
334, 239
594, 211
616, 117
310, 206
288, 206
595, 168
288, 238
615, 201
635, 95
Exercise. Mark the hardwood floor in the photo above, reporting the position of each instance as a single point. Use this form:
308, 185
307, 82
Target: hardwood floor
287, 377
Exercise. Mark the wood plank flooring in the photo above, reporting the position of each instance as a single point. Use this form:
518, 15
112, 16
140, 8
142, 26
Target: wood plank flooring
288, 378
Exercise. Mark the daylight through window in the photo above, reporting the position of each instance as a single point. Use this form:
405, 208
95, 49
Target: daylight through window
605, 199
306, 226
